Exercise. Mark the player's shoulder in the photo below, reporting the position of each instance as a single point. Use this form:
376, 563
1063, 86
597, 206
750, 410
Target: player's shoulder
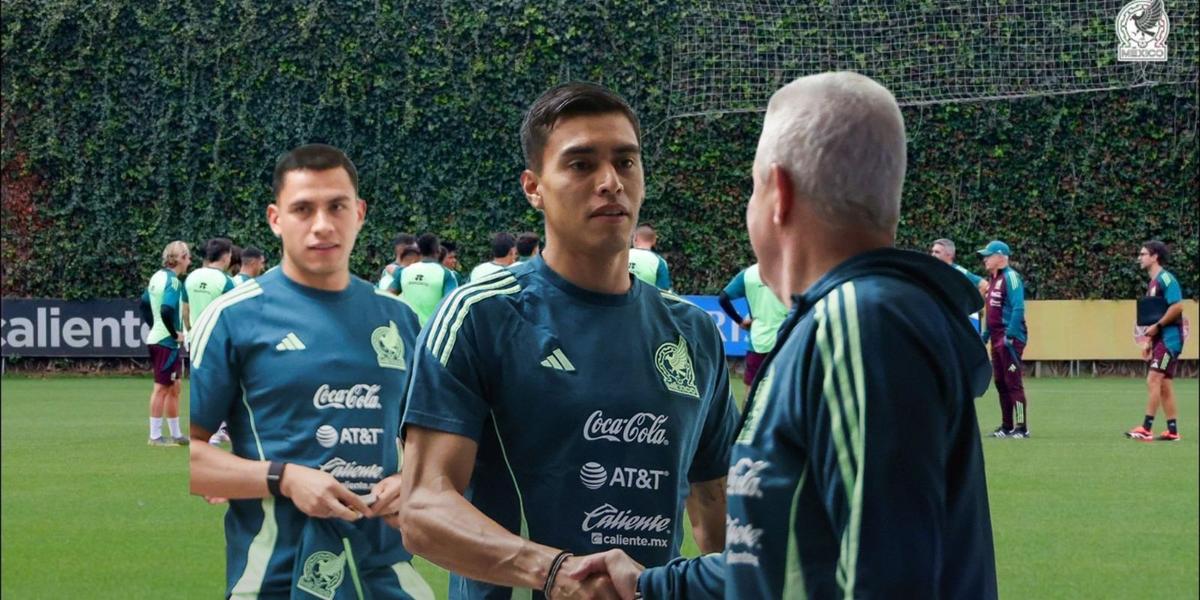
687, 315
1167, 278
391, 303
486, 297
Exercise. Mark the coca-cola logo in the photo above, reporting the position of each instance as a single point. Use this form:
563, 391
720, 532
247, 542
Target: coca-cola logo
609, 518
358, 396
641, 428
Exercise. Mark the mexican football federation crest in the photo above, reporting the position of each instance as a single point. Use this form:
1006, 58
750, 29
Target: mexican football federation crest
1142, 28
389, 346
323, 572
675, 365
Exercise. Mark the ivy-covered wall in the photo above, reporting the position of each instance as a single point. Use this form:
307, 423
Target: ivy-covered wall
127, 125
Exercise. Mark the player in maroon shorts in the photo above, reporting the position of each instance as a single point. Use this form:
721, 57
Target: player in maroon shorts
1165, 342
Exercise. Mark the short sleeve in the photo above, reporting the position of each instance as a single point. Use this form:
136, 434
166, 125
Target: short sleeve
1173, 292
711, 459
394, 286
737, 286
216, 375
446, 391
663, 277
449, 282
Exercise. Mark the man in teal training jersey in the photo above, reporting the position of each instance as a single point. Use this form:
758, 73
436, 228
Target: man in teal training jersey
423, 285
562, 405
309, 366
766, 315
644, 262
165, 296
504, 255
1163, 346
253, 263
858, 470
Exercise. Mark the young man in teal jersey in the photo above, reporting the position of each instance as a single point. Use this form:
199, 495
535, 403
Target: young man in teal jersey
208, 282
400, 244
563, 405
1005, 333
831, 494
424, 284
644, 262
309, 366
166, 296
1165, 343
504, 255
766, 315
253, 263
529, 246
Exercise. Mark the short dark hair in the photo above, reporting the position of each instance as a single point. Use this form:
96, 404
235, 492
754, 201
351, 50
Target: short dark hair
404, 239
527, 243
409, 250
252, 253
502, 243
428, 244
312, 157
235, 256
573, 99
215, 248
1159, 250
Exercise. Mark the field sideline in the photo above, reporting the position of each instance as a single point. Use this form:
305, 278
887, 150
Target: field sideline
89, 511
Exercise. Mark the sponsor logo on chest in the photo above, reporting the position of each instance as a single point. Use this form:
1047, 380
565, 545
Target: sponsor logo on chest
329, 436
594, 476
358, 396
641, 428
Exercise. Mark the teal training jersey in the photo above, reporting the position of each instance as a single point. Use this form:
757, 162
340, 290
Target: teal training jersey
1167, 286
203, 286
423, 285
309, 377
484, 269
766, 309
858, 471
386, 277
593, 412
649, 267
165, 290
240, 278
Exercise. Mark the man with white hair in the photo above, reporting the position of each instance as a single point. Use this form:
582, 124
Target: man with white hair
858, 469
943, 249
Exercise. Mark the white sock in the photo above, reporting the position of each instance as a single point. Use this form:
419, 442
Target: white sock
155, 428
174, 423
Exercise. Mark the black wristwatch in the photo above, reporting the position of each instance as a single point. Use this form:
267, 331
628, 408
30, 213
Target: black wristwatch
274, 474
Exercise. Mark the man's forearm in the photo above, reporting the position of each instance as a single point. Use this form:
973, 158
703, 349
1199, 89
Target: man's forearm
1172, 314
215, 472
446, 529
706, 509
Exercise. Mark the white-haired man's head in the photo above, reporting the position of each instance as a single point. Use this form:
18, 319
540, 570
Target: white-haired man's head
835, 144
841, 138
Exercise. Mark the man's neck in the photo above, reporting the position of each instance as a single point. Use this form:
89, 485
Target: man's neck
644, 246
1154, 270
504, 261
333, 282
606, 274
814, 257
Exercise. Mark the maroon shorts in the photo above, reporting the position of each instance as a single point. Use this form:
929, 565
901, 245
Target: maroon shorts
167, 364
1163, 360
754, 360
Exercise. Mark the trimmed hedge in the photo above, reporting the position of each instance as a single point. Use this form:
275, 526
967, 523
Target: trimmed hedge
127, 126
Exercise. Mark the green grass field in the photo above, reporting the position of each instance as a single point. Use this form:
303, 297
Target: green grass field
89, 511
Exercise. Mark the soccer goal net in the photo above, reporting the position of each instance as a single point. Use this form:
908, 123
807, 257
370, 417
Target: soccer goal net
731, 55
